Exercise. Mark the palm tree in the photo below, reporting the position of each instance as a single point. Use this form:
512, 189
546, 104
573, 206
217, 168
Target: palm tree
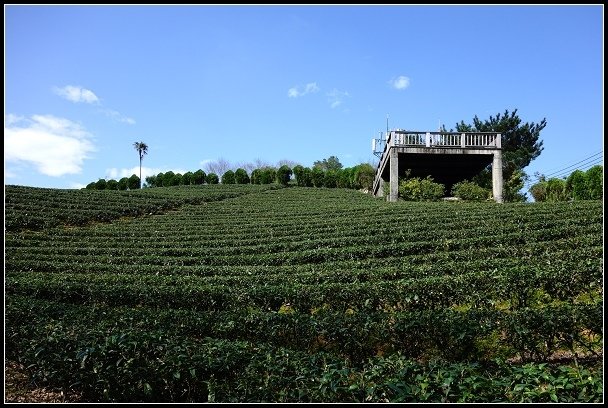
142, 149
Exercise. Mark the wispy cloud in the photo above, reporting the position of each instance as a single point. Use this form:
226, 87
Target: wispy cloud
76, 94
298, 91
400, 83
336, 97
11, 119
117, 174
111, 113
55, 146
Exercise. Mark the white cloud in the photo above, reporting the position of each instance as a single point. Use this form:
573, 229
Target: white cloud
55, 146
118, 116
117, 174
297, 91
77, 185
336, 97
11, 119
400, 83
76, 94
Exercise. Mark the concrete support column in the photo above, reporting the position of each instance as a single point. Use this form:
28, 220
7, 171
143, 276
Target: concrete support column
497, 187
394, 175
380, 192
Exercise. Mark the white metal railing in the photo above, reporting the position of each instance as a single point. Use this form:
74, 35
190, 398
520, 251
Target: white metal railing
444, 139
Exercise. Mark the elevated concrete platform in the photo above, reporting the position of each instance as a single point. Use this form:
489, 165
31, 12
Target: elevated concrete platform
447, 157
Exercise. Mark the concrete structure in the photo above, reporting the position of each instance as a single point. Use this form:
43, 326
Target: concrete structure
446, 156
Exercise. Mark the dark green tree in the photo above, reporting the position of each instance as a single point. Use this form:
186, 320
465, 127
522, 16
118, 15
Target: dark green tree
268, 175
101, 184
556, 190
152, 181
539, 190
228, 177
112, 185
187, 178
142, 149
331, 163
134, 182
256, 176
595, 182
297, 172
284, 174
123, 183
160, 179
307, 177
198, 177
318, 177
168, 179
345, 177
212, 178
177, 179
576, 185
331, 179
364, 176
241, 176
520, 145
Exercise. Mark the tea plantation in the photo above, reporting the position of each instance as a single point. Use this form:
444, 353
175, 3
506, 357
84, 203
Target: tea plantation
230, 293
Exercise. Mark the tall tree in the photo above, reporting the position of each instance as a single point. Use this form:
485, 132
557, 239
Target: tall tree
331, 163
142, 149
520, 145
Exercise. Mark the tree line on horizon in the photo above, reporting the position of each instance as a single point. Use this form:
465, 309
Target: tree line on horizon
324, 173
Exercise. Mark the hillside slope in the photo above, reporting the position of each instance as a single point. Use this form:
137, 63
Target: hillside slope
303, 294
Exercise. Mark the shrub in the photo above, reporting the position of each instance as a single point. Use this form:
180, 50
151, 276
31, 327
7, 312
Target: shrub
467, 190
364, 176
417, 189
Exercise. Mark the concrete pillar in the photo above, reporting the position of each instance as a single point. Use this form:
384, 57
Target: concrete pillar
394, 175
497, 181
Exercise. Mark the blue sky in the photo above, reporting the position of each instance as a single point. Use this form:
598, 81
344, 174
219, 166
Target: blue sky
297, 83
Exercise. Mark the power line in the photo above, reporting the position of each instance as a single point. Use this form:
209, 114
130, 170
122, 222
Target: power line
582, 165
585, 166
559, 169
573, 165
